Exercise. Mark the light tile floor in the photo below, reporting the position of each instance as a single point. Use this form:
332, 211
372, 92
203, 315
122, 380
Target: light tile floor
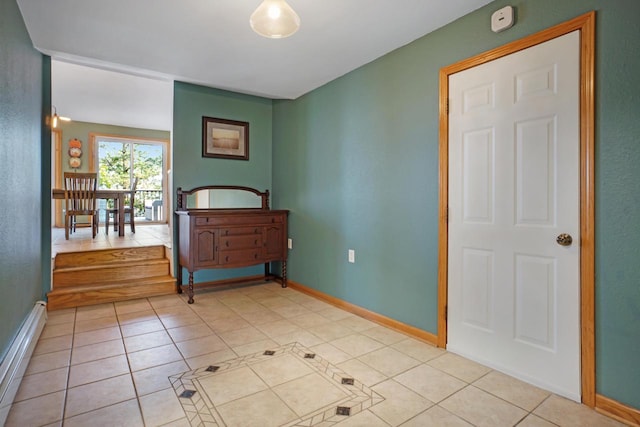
81, 240
113, 365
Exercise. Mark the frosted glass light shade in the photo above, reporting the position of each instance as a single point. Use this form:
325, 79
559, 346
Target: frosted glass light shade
274, 19
55, 119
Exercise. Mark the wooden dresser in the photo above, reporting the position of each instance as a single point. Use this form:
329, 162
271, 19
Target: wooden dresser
229, 238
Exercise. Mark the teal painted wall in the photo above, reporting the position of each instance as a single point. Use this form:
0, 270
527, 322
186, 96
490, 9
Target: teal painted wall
356, 162
21, 118
617, 201
190, 169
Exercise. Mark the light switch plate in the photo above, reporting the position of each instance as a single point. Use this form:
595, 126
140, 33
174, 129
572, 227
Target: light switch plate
352, 256
502, 19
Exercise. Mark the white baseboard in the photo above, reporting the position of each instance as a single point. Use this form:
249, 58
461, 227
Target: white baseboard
15, 363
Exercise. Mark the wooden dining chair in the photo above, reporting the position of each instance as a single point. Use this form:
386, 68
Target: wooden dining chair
80, 199
128, 209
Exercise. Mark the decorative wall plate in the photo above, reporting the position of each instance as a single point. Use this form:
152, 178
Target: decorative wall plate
75, 143
75, 162
75, 152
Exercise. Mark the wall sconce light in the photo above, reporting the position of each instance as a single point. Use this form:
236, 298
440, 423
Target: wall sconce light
56, 118
274, 19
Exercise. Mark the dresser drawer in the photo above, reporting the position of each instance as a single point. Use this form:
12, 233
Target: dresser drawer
274, 219
234, 242
241, 231
205, 221
256, 219
247, 257
232, 220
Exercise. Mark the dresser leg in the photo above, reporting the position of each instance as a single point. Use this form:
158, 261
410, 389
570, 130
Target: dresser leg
190, 291
179, 279
284, 274
267, 271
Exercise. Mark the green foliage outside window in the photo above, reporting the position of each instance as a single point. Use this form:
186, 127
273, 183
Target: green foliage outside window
115, 168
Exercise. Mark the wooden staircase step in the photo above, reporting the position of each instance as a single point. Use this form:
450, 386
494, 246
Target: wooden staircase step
99, 274
115, 291
109, 256
108, 275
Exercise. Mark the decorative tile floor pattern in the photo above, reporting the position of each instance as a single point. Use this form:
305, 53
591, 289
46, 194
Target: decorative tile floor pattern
111, 364
194, 394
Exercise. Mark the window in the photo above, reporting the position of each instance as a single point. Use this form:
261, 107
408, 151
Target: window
121, 159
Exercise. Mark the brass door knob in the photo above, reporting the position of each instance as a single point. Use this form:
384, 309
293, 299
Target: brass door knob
564, 239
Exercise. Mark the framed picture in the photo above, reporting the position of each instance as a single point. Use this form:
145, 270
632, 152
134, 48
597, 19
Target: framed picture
225, 139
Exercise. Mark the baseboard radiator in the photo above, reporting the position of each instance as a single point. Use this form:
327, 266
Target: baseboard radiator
15, 363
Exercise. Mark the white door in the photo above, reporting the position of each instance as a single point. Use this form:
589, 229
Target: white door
513, 188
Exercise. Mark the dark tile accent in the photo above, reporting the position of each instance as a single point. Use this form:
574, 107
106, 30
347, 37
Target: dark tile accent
309, 355
187, 394
212, 368
200, 412
343, 410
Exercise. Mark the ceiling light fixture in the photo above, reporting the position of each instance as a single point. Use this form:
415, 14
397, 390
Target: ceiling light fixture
56, 118
274, 19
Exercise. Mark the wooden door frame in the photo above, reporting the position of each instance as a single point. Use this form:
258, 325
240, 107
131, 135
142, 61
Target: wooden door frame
56, 152
586, 25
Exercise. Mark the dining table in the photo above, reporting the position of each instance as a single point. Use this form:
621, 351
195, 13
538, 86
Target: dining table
117, 195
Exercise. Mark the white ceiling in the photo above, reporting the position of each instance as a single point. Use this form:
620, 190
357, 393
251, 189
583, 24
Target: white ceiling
210, 42
95, 95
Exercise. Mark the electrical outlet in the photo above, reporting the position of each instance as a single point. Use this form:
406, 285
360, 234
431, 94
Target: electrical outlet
290, 243
352, 256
